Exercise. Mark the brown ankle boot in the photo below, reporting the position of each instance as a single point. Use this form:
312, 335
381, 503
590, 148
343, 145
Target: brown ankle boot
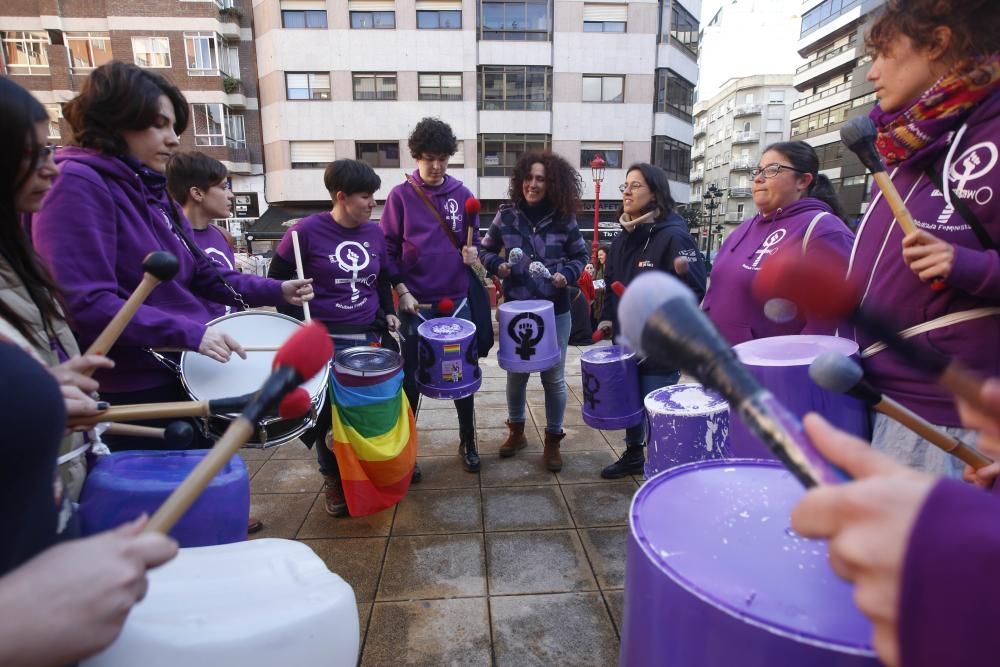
515, 439
333, 491
551, 457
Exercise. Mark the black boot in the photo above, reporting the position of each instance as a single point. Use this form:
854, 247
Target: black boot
469, 452
417, 474
630, 463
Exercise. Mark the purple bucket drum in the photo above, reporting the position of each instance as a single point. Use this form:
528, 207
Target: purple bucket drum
687, 423
714, 576
447, 360
528, 340
781, 365
611, 399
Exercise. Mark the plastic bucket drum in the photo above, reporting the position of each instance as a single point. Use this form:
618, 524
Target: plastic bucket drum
447, 362
528, 340
611, 397
364, 365
714, 576
686, 423
781, 364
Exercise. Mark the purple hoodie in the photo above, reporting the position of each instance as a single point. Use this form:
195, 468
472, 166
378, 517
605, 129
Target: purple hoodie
101, 218
420, 253
894, 291
949, 599
729, 302
216, 249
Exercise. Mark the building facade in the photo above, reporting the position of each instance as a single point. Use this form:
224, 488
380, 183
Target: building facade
732, 128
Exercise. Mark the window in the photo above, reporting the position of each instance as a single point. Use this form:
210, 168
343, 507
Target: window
55, 113
824, 13
776, 97
375, 86
683, 27
307, 85
598, 88
521, 87
26, 52
458, 159
88, 50
674, 94
217, 125
303, 18
311, 154
151, 51
201, 49
230, 60
498, 153
604, 18
373, 20
439, 19
439, 86
673, 157
604, 26
773, 125
524, 20
612, 154
378, 154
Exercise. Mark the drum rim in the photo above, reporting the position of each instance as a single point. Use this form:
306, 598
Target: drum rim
722, 406
748, 353
339, 369
688, 586
629, 354
433, 320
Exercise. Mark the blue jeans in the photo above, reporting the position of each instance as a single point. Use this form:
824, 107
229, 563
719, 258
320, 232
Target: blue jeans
553, 381
635, 436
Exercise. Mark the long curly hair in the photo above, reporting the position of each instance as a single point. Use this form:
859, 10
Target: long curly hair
974, 25
563, 185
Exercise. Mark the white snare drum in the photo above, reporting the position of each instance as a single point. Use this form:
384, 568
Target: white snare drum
205, 379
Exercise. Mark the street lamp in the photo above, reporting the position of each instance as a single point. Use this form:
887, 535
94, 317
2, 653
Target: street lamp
711, 202
597, 171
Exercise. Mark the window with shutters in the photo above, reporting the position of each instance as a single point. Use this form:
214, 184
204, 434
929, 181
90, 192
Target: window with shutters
439, 86
604, 18
378, 154
603, 88
375, 86
311, 154
611, 152
303, 18
307, 85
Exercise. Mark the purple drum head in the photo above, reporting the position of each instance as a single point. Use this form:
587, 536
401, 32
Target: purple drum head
686, 423
781, 365
610, 378
447, 362
715, 576
528, 340
364, 365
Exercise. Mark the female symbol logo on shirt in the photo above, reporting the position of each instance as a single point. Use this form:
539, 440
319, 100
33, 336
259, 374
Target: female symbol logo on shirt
353, 264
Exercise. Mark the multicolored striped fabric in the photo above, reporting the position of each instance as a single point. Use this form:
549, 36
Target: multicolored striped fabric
375, 441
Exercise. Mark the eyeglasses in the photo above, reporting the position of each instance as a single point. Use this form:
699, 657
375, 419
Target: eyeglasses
626, 187
772, 170
42, 155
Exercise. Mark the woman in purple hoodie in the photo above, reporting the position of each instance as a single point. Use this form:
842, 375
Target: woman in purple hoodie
420, 219
108, 209
797, 207
936, 72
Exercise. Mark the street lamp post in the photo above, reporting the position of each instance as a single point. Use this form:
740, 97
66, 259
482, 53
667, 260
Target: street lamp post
711, 203
597, 171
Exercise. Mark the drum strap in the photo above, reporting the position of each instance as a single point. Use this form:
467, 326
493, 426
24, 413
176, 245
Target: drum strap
449, 232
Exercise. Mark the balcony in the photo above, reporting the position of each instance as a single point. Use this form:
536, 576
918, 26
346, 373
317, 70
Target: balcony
746, 110
698, 153
839, 88
700, 129
740, 193
741, 164
746, 137
733, 217
697, 175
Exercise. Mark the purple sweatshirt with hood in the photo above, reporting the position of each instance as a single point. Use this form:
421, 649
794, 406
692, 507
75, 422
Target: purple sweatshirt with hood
420, 253
102, 217
890, 288
729, 303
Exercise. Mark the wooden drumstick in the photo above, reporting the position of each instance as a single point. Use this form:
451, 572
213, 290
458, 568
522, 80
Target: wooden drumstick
177, 434
170, 410
301, 271
251, 348
157, 267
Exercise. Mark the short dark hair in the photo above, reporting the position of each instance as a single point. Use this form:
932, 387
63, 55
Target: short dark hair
563, 184
432, 136
659, 185
193, 170
803, 157
119, 96
350, 177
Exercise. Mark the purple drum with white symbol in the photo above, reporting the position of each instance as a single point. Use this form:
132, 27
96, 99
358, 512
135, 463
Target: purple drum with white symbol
611, 399
686, 423
528, 340
714, 576
781, 365
447, 359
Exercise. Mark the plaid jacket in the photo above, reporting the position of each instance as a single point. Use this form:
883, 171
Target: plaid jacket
555, 242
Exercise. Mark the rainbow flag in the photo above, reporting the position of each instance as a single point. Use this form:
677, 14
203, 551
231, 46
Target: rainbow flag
375, 441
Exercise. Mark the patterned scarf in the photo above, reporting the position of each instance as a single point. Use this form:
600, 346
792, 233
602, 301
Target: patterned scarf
939, 110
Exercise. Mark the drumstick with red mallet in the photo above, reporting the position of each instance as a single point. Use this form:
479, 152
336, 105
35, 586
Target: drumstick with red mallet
303, 355
816, 284
158, 267
618, 288
859, 136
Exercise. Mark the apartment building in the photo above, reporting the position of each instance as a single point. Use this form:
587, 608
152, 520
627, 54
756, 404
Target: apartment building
350, 78
732, 128
204, 47
833, 89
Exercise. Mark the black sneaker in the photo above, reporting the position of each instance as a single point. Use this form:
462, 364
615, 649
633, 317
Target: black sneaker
631, 463
417, 475
469, 453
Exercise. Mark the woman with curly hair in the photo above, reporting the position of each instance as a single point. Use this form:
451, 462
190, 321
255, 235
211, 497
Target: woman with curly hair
540, 220
423, 221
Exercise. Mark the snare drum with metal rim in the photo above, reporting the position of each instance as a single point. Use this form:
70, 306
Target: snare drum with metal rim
206, 379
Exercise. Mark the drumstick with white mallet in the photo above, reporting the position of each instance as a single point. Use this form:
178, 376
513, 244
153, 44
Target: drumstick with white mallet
301, 272
157, 267
859, 136
303, 355
837, 373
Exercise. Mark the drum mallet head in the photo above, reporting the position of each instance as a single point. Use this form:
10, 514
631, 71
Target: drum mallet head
295, 404
178, 434
618, 288
472, 206
161, 264
446, 306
